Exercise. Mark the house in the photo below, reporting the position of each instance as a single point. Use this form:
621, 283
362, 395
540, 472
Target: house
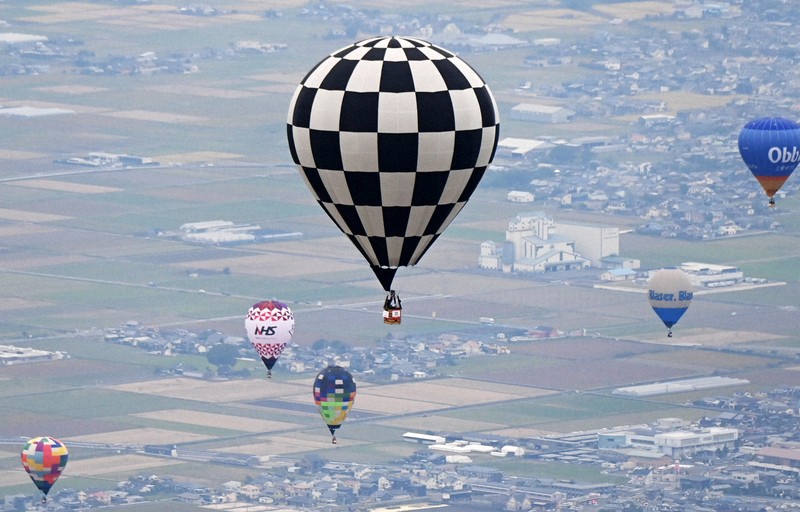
519, 196
618, 274
541, 113
190, 498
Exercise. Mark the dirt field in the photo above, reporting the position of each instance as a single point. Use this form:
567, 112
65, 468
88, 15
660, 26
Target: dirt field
680, 101
27, 216
10, 154
124, 464
73, 89
550, 19
443, 424
447, 395
168, 16
708, 337
284, 445
73, 108
208, 419
635, 10
158, 117
280, 265
142, 436
497, 387
91, 467
216, 392
9, 477
63, 186
11, 303
205, 92
601, 375
197, 156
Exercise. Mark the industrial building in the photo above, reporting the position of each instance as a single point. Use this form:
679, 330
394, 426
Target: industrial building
541, 113
709, 275
534, 243
11, 355
675, 444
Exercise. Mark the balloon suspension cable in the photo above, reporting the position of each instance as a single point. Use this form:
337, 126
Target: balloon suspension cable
392, 301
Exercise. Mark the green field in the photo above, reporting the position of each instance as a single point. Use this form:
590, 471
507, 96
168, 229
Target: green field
77, 259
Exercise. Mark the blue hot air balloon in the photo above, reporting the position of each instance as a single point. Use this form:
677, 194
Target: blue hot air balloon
670, 294
770, 146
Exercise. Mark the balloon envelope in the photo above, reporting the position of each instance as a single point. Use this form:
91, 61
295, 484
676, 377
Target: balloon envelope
334, 394
270, 326
392, 135
770, 146
44, 458
670, 294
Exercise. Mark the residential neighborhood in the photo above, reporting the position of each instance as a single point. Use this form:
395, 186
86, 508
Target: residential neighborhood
743, 455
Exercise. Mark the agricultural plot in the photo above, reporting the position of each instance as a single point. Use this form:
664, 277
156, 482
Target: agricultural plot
310, 440
143, 436
79, 252
63, 186
583, 375
214, 392
29, 216
551, 19
636, 10
715, 338
545, 412
445, 423
226, 421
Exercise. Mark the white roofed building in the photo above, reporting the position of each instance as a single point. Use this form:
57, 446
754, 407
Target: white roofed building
541, 113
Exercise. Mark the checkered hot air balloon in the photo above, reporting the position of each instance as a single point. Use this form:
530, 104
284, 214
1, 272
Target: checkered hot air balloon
44, 458
392, 135
269, 326
334, 394
670, 294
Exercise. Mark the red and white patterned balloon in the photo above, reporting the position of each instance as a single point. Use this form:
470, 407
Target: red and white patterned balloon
270, 326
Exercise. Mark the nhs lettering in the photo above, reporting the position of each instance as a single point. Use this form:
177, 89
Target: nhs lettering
770, 147
269, 326
670, 294
264, 330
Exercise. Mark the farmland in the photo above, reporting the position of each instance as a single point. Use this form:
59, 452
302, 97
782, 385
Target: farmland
81, 252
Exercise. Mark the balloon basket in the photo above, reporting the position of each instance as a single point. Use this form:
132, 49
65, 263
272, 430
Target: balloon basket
392, 316
392, 309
